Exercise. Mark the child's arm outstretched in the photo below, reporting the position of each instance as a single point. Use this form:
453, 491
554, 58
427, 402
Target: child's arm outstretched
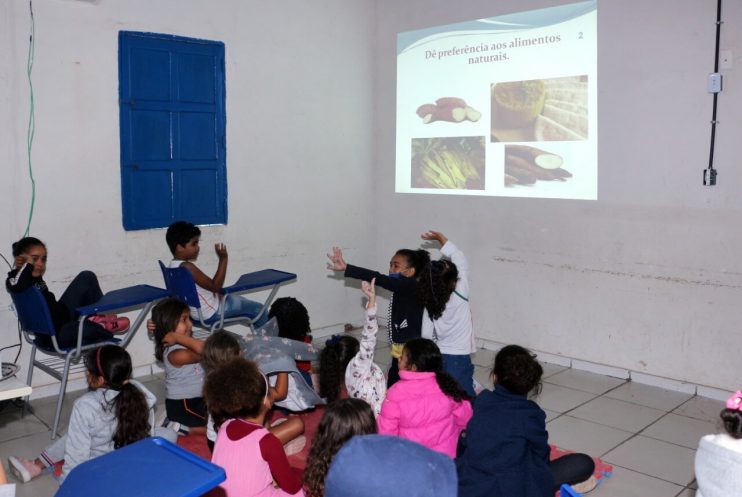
337, 263
191, 354
364, 359
216, 283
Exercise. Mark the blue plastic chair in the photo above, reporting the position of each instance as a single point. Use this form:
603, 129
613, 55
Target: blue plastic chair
179, 282
152, 466
35, 320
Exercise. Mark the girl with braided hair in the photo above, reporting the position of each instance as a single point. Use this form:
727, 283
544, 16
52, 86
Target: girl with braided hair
443, 291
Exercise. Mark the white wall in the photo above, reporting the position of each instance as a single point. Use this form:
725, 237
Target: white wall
647, 278
299, 122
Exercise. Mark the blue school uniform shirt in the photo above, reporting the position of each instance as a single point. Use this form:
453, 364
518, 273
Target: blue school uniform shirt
507, 450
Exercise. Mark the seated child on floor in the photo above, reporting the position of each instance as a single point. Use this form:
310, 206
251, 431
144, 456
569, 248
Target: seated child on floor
293, 323
426, 405
506, 452
341, 421
29, 268
347, 368
184, 376
115, 412
220, 348
239, 398
183, 240
719, 457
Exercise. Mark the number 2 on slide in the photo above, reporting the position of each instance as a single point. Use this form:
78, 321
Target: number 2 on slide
579, 35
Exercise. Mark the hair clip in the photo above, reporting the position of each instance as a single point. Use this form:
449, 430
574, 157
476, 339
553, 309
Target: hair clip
735, 401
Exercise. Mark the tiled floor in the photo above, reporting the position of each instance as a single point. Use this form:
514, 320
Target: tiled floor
648, 434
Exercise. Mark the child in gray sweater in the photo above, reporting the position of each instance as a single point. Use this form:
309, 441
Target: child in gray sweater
96, 426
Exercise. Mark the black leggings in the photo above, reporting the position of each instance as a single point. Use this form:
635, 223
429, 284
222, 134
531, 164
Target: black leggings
571, 469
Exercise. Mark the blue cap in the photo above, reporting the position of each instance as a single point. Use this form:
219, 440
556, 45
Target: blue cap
374, 465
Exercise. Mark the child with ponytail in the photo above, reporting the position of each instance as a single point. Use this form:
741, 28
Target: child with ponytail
719, 457
427, 405
117, 411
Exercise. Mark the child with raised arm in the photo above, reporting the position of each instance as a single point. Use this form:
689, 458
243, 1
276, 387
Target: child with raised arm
405, 311
443, 289
183, 240
347, 367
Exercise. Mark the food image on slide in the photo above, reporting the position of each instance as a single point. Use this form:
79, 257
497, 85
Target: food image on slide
540, 110
503, 106
455, 163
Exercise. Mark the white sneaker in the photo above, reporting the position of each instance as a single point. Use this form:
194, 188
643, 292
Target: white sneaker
23, 469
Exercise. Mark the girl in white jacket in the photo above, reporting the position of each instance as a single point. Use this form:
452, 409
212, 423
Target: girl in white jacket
719, 457
117, 411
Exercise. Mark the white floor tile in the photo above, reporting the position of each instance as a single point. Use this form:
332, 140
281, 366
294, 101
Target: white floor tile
560, 399
701, 408
628, 483
617, 414
551, 415
656, 458
484, 357
688, 492
682, 430
13, 425
483, 376
646, 395
552, 369
585, 381
579, 435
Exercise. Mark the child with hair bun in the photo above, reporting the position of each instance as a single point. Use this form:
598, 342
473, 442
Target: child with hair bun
719, 457
239, 397
426, 405
506, 450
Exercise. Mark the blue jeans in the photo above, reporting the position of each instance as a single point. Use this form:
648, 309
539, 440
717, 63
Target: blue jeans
234, 306
462, 370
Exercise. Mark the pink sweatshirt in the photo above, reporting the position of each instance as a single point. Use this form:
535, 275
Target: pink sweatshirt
415, 408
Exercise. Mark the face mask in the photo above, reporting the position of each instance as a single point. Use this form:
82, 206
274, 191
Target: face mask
396, 275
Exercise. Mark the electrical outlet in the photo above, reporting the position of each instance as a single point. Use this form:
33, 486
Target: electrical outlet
726, 59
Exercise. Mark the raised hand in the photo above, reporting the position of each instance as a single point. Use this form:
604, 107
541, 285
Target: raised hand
369, 290
434, 235
221, 250
337, 263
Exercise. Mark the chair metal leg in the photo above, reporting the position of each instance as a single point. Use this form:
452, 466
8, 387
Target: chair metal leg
29, 377
60, 400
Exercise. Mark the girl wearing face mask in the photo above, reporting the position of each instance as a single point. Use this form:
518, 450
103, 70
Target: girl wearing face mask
405, 310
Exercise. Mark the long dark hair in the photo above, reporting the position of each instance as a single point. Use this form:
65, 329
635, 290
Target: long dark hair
435, 284
341, 421
166, 315
333, 361
236, 389
113, 364
425, 355
417, 259
292, 318
517, 369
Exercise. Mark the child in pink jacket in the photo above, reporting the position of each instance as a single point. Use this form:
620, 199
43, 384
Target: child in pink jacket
427, 405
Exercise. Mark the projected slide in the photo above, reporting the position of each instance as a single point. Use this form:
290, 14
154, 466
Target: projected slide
504, 106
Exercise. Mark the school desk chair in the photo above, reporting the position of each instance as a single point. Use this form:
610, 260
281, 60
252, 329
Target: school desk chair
35, 321
152, 466
179, 282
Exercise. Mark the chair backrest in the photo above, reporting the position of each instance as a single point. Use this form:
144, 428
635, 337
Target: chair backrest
33, 312
179, 282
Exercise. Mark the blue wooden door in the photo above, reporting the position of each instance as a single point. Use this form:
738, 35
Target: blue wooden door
172, 115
